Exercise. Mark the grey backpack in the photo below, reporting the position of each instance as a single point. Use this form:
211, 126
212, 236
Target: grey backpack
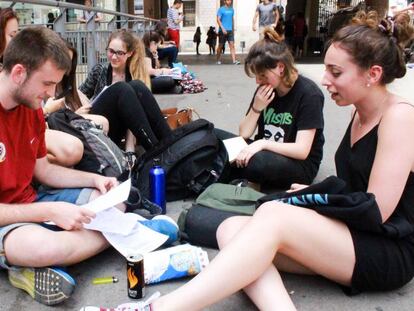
101, 155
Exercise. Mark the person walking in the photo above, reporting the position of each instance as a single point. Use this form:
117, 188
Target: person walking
174, 18
225, 20
300, 31
268, 14
197, 39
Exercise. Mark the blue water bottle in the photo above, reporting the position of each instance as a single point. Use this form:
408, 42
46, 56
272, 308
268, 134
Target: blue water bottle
157, 185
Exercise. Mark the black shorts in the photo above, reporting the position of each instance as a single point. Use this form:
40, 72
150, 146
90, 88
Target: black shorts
382, 263
226, 37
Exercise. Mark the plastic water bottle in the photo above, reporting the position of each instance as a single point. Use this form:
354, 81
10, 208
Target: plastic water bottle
157, 185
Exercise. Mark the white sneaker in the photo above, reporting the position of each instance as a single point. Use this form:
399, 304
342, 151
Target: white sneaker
134, 306
218, 62
236, 62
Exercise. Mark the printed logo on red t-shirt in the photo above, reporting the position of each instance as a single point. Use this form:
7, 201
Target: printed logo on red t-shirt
2, 152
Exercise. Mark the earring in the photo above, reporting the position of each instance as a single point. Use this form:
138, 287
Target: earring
368, 84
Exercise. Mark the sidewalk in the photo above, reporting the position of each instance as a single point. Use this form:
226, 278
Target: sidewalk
224, 103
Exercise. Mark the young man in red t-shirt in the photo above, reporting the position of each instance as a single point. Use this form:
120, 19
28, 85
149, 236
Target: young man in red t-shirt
34, 62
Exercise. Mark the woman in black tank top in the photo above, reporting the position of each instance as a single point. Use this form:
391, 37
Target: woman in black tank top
376, 155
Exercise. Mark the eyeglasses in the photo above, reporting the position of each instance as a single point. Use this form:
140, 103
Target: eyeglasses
111, 52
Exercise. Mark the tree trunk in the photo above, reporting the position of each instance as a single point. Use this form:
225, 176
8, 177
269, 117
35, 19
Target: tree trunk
381, 6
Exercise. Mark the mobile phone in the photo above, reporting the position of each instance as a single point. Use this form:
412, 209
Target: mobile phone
64, 93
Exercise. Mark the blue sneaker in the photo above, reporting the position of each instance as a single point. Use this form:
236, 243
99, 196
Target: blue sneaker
165, 225
48, 286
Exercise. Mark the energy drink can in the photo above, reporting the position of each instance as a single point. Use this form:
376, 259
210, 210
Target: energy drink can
135, 276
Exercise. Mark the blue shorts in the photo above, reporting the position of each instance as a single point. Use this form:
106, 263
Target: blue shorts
76, 196
226, 37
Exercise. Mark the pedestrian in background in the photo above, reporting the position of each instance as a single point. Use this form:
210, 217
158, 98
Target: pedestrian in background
197, 39
225, 20
300, 31
174, 18
212, 40
50, 20
290, 31
268, 14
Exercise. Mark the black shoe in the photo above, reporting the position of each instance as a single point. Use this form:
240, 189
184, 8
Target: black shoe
152, 207
134, 200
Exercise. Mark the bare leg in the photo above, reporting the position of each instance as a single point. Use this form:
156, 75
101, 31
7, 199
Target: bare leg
130, 141
25, 246
269, 286
63, 149
232, 51
98, 120
293, 231
219, 49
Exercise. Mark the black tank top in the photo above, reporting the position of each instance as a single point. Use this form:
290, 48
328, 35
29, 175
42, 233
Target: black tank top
354, 164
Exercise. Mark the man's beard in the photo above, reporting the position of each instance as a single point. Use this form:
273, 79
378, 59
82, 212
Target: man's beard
20, 98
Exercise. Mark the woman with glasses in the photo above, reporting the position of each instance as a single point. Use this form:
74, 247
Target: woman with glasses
128, 104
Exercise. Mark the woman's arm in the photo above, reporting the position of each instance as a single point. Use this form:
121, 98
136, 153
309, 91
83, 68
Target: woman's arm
88, 86
154, 71
394, 158
263, 97
53, 105
298, 150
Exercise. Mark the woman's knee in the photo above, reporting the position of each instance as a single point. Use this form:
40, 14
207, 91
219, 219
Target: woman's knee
66, 150
139, 87
271, 214
229, 228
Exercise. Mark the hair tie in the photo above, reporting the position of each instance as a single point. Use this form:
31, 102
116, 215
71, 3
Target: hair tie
382, 28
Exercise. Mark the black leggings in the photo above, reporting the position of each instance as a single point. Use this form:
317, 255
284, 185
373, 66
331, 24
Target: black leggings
270, 170
131, 105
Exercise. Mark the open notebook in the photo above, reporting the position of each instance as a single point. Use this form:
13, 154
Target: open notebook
234, 146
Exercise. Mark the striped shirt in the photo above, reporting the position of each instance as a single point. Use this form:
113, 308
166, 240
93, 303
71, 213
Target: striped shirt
172, 15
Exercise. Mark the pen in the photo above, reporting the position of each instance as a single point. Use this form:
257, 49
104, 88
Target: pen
107, 280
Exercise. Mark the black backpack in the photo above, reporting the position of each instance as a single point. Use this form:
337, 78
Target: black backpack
101, 155
192, 157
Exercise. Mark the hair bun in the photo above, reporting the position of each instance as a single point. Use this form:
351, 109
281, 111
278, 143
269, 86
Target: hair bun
269, 33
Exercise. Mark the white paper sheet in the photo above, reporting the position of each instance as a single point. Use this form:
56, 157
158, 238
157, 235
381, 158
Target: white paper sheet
140, 241
111, 198
114, 221
234, 146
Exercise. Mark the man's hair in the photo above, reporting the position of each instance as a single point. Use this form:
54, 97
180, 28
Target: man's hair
178, 1
34, 46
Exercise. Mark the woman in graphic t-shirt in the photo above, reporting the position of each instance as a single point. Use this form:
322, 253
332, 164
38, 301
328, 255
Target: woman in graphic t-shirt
286, 110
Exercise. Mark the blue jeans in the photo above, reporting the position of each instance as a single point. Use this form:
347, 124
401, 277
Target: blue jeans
171, 52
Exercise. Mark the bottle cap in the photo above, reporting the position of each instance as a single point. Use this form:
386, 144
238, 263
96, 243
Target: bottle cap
157, 162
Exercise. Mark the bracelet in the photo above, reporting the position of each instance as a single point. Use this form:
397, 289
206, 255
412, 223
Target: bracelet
256, 110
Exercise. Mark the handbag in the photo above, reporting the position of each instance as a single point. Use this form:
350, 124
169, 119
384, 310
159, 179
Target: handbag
176, 118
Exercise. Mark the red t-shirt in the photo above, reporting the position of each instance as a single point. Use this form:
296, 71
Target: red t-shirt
22, 141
